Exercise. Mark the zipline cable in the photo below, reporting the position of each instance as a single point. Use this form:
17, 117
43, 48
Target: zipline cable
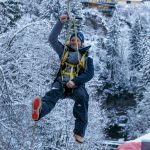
71, 22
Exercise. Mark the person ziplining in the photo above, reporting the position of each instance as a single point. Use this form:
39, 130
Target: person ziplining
76, 69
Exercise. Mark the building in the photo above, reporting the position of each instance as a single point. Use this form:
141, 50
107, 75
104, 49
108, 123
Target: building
105, 6
130, 1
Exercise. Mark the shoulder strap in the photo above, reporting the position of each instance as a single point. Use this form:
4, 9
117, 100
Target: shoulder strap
64, 58
82, 61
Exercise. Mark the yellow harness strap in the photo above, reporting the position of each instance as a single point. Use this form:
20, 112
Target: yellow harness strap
72, 74
74, 69
63, 60
82, 61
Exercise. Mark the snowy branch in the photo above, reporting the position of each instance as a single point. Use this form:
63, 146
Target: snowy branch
4, 83
9, 43
10, 129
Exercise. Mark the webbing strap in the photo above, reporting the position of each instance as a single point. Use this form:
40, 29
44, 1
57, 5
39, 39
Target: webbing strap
69, 25
63, 60
70, 65
71, 21
74, 69
82, 61
75, 31
70, 74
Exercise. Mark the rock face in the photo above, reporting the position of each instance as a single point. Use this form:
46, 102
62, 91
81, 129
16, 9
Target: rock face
117, 107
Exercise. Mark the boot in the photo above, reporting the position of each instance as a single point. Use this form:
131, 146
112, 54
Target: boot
79, 138
36, 108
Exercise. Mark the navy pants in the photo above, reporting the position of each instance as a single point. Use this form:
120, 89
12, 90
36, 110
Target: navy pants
80, 109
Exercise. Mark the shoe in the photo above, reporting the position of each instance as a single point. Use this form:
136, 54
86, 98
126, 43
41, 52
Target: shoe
36, 108
79, 138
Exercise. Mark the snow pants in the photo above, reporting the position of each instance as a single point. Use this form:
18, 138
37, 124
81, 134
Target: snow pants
80, 109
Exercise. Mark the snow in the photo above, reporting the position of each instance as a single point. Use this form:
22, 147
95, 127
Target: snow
28, 66
144, 138
3, 0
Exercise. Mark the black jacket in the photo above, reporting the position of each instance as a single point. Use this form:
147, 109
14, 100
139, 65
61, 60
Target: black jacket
84, 75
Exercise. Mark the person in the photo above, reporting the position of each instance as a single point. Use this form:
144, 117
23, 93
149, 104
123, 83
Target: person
75, 70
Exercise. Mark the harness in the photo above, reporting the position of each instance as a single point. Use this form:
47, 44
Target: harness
74, 69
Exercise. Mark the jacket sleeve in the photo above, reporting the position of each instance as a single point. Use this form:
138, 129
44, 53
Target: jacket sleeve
87, 74
53, 38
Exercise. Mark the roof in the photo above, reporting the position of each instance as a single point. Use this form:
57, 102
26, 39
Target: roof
98, 1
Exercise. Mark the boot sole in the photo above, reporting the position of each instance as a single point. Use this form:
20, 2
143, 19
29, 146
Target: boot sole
80, 142
36, 105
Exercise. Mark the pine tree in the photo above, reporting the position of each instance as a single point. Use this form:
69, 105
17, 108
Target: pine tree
146, 70
113, 61
10, 12
137, 49
31, 7
146, 60
115, 90
50, 8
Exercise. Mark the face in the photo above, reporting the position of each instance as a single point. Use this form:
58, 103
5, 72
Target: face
75, 43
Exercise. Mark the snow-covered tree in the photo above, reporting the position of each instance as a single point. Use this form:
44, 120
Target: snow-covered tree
146, 62
138, 56
114, 62
10, 12
50, 8
28, 66
137, 47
